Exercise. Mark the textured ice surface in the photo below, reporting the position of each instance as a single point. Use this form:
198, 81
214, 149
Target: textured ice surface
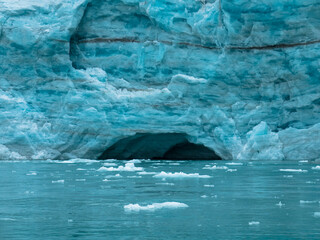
240, 77
154, 206
128, 167
180, 175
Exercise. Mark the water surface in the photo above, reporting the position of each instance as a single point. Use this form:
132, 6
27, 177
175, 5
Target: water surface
221, 200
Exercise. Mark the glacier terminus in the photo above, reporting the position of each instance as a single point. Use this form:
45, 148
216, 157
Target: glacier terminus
237, 77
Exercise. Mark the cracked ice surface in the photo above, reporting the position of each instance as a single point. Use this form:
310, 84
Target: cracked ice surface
240, 77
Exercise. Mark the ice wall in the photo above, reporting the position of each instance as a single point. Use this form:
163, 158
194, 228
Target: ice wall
240, 77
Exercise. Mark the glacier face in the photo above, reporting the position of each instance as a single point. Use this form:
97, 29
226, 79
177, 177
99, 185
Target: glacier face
240, 77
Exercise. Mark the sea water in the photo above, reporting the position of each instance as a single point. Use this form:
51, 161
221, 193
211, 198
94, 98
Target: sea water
144, 199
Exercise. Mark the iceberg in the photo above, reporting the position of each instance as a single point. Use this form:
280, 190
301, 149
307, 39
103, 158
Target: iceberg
239, 78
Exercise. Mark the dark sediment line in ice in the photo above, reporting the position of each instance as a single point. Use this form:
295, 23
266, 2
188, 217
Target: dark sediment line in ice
129, 40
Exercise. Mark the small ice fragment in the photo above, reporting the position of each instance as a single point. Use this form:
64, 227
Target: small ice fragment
303, 161
58, 181
207, 185
154, 206
146, 173
280, 204
129, 167
134, 161
180, 175
253, 223
70, 220
232, 170
80, 180
109, 164
292, 170
288, 176
204, 196
77, 160
214, 167
307, 202
29, 192
81, 169
316, 168
32, 173
234, 163
316, 214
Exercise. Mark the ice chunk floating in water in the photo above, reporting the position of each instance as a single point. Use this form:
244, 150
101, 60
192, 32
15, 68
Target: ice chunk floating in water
180, 175
154, 206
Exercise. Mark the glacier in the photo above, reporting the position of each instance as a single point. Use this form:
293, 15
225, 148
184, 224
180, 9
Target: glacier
239, 77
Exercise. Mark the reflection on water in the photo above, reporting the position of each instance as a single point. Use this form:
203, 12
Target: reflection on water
86, 199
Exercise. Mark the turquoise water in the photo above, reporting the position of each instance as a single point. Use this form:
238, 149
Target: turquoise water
80, 200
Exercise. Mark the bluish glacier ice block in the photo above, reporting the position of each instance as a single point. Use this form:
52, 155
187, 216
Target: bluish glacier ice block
240, 77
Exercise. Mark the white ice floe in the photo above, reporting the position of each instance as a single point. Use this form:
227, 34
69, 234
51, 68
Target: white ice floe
234, 163
215, 167
180, 175
76, 160
232, 170
129, 167
110, 164
303, 161
292, 170
32, 173
316, 214
80, 180
204, 196
316, 168
254, 223
134, 161
81, 169
308, 202
58, 181
154, 206
207, 185
280, 204
146, 173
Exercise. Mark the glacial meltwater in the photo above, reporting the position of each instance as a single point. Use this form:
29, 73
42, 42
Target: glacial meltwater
89, 199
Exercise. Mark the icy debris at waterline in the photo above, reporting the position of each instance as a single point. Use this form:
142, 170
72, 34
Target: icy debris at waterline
180, 175
147, 173
110, 164
316, 214
308, 202
316, 168
58, 181
293, 170
129, 167
214, 167
154, 206
253, 223
234, 164
77, 160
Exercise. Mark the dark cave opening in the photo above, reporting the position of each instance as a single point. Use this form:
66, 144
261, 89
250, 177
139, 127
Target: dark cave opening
162, 146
